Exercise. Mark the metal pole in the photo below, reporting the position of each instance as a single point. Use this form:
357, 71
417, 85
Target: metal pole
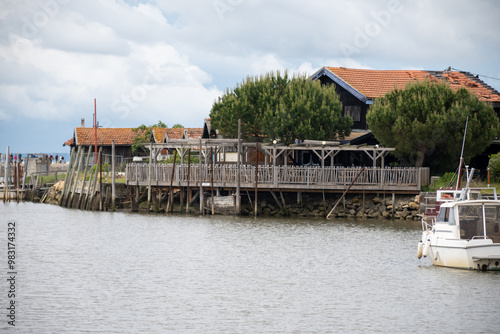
95, 131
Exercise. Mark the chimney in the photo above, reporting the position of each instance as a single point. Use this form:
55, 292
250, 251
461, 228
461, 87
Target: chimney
83, 122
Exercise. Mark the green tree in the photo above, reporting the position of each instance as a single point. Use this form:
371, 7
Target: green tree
143, 135
425, 122
275, 106
177, 126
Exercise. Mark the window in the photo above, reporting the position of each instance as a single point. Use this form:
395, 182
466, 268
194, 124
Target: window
354, 112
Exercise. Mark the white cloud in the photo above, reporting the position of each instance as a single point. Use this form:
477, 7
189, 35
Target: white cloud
169, 60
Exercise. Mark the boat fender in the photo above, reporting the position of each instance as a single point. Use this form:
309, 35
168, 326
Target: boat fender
436, 256
427, 245
419, 249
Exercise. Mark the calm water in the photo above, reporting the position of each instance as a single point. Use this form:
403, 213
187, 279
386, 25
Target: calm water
86, 272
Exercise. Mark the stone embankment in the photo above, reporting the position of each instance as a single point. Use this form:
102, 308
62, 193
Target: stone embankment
312, 205
372, 207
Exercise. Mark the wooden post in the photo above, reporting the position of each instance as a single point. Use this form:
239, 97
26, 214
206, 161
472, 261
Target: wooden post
26, 174
71, 176
66, 182
82, 189
188, 176
6, 175
149, 176
201, 181
238, 172
113, 185
170, 202
83, 205
256, 175
100, 180
393, 203
94, 183
345, 192
212, 179
81, 151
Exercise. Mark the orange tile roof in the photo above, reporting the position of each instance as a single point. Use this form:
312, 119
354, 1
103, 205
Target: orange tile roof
376, 83
68, 142
121, 136
176, 133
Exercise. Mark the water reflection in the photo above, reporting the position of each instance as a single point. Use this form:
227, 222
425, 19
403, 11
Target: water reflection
120, 272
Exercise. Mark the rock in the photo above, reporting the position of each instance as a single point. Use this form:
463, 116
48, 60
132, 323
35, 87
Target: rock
376, 200
413, 206
58, 186
356, 200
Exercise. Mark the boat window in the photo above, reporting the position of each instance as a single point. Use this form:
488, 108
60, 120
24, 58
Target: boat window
443, 215
471, 221
492, 215
451, 217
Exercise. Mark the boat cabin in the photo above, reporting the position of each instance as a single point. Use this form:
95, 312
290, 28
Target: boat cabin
475, 219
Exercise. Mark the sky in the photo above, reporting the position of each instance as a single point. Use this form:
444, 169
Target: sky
169, 60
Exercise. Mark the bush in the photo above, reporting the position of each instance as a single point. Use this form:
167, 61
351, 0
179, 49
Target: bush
494, 166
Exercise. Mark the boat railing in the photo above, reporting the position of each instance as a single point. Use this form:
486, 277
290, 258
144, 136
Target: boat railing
428, 222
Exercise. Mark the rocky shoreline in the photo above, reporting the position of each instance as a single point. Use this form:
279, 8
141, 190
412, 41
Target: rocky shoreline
358, 206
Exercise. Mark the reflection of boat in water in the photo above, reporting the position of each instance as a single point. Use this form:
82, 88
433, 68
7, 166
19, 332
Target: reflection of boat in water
465, 233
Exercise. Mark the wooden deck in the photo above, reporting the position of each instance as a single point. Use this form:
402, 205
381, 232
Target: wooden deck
332, 179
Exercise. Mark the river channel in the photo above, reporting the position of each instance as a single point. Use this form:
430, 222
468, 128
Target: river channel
99, 272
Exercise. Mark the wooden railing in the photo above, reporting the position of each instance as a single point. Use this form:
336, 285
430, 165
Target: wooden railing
283, 177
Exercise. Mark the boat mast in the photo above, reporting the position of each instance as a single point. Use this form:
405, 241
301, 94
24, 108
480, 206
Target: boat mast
461, 156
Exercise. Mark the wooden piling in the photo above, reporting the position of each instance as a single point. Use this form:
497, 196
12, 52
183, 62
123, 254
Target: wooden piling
6, 175
188, 176
68, 173
113, 186
75, 182
212, 180
170, 202
84, 177
94, 183
256, 175
238, 172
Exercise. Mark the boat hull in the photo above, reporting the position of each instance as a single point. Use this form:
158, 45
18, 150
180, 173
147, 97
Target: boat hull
465, 254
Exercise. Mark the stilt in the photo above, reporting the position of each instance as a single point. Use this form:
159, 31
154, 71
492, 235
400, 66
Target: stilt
84, 177
113, 186
68, 173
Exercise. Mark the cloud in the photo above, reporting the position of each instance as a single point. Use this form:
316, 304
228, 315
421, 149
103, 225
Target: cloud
146, 61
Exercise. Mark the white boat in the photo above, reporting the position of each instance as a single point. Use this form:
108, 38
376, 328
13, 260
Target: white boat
466, 232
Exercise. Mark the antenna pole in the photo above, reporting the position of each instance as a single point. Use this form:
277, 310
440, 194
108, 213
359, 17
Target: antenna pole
462, 155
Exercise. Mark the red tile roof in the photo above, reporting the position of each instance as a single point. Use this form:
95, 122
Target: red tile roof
121, 136
376, 83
